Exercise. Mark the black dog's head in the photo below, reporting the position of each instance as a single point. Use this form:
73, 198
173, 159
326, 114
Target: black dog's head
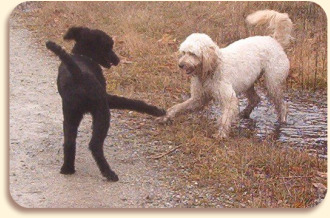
94, 44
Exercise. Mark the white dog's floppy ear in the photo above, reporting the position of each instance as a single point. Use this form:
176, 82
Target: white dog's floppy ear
209, 60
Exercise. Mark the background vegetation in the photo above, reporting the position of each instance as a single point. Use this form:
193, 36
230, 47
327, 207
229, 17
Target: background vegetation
148, 34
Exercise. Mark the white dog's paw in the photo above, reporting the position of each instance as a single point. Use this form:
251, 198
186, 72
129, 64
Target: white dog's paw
163, 120
220, 135
284, 117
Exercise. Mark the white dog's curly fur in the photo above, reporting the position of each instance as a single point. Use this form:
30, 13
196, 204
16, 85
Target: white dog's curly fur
221, 74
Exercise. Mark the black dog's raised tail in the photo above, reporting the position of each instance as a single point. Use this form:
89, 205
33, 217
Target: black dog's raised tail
65, 58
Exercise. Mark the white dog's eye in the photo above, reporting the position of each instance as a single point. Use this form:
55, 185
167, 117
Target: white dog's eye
192, 54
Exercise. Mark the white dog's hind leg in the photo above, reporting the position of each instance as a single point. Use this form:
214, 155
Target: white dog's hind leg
275, 85
280, 105
229, 104
253, 99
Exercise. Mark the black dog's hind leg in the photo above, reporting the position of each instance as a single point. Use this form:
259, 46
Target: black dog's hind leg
70, 128
116, 102
101, 123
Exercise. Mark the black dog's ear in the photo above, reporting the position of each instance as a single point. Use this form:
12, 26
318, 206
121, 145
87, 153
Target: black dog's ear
74, 33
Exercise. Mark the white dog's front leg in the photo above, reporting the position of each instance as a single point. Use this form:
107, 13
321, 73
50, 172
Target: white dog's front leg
190, 105
229, 104
197, 101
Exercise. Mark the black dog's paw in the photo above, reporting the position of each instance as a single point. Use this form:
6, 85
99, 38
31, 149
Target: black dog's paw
159, 112
67, 170
156, 112
112, 177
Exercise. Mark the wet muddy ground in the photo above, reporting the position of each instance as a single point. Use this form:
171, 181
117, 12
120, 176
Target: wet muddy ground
307, 121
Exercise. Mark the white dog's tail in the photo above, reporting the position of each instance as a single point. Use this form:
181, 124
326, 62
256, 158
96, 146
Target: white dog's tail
279, 23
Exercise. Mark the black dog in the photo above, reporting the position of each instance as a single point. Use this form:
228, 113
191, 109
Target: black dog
82, 87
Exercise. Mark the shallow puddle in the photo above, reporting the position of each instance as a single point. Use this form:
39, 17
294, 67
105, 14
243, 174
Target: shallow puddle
307, 121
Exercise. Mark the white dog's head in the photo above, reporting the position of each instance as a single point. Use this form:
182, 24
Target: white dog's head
198, 55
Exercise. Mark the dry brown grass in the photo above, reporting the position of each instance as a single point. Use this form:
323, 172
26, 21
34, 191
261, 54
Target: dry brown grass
147, 34
141, 29
246, 172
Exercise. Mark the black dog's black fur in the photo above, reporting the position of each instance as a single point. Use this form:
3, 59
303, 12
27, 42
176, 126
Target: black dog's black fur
82, 87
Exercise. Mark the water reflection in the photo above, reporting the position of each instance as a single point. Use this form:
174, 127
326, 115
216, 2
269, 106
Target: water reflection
306, 126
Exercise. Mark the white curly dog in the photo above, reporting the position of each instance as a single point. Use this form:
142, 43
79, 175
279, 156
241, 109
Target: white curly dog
221, 74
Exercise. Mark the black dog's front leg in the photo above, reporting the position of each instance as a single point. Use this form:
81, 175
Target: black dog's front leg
116, 102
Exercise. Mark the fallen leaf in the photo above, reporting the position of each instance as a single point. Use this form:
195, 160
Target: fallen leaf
260, 175
299, 204
297, 169
320, 187
124, 61
167, 39
321, 174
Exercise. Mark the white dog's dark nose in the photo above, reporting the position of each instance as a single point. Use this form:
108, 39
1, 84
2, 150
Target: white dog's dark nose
181, 66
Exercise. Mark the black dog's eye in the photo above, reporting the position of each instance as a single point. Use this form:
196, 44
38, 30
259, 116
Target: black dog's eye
109, 46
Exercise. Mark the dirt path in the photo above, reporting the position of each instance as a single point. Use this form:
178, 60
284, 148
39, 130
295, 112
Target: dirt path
36, 144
